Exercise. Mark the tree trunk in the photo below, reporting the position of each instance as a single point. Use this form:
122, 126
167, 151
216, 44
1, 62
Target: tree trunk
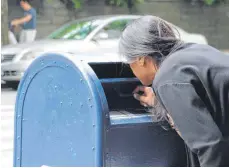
4, 28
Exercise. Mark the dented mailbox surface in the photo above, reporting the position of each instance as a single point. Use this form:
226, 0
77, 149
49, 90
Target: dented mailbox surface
71, 114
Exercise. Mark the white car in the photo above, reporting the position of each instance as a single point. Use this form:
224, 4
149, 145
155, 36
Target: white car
92, 34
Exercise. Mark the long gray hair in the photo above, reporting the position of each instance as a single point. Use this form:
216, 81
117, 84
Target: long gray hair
148, 36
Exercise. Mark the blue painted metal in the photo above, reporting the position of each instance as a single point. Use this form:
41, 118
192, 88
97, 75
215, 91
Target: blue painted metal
60, 114
144, 145
71, 114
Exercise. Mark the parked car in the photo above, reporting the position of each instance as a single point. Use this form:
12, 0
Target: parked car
226, 52
90, 34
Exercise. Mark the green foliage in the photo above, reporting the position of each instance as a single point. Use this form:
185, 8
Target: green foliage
77, 3
209, 2
120, 3
123, 2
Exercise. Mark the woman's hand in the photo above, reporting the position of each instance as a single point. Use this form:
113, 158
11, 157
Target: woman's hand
146, 98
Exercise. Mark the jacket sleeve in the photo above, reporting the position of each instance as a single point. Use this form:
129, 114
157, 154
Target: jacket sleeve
195, 123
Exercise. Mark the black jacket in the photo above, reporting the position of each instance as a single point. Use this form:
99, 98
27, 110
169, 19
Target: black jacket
193, 86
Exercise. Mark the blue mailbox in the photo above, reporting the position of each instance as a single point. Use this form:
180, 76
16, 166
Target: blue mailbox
71, 113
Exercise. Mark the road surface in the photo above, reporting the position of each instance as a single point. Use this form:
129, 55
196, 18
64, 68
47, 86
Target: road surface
8, 97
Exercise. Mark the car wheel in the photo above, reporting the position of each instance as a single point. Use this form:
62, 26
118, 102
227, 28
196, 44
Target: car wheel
13, 85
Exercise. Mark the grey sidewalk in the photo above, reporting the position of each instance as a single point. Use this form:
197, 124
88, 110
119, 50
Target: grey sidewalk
7, 135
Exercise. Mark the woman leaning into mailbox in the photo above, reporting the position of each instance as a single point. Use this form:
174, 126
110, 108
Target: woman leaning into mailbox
190, 81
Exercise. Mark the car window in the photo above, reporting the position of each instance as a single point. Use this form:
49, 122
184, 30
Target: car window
77, 30
113, 30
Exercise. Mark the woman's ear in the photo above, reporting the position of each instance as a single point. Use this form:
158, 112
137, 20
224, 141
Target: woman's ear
155, 67
141, 61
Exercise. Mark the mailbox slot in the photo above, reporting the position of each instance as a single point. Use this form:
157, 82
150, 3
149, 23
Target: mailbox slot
118, 83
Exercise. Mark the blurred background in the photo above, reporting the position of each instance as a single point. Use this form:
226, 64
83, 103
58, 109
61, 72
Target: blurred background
207, 17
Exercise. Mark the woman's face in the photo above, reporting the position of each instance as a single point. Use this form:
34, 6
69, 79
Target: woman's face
144, 69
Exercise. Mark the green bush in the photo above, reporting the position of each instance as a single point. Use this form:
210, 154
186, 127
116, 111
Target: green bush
208, 2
